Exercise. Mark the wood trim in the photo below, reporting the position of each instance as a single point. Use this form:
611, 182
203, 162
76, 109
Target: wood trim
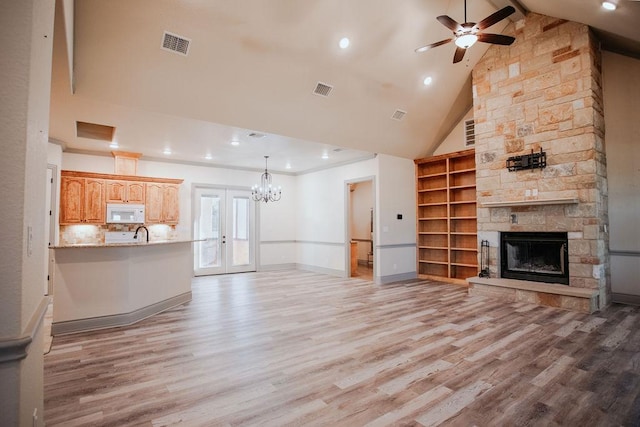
15, 349
79, 174
116, 320
127, 154
445, 156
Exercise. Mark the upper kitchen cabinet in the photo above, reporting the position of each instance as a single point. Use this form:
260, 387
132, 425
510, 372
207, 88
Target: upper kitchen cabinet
162, 203
82, 200
125, 191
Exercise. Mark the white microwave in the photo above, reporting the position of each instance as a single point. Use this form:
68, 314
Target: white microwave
125, 213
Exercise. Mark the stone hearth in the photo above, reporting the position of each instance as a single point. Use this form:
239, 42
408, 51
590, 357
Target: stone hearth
544, 93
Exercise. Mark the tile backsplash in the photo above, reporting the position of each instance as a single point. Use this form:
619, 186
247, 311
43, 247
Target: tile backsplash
83, 234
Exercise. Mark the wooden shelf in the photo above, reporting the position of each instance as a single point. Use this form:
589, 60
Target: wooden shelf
435, 262
427, 190
447, 216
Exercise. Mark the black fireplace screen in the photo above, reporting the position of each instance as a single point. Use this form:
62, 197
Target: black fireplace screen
541, 257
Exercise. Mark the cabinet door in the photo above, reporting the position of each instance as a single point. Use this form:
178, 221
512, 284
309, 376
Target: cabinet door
116, 191
153, 197
170, 204
135, 192
94, 201
71, 200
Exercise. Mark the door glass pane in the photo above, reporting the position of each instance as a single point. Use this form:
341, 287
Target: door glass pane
241, 231
209, 228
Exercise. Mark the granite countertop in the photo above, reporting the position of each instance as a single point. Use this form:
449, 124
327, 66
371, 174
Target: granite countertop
126, 244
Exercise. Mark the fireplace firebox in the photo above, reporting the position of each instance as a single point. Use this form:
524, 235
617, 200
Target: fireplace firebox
540, 257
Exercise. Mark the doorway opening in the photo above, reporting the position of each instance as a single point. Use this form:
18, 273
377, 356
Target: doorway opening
360, 228
224, 222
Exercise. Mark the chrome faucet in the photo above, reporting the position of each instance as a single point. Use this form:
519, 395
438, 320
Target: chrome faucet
135, 236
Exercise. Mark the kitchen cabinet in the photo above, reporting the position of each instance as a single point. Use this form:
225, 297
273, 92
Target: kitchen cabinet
162, 203
125, 191
446, 216
82, 200
84, 196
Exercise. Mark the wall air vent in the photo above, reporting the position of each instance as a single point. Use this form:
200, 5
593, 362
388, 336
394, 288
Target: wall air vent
398, 115
175, 43
469, 133
94, 131
323, 89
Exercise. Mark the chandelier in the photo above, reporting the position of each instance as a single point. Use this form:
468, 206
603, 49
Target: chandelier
265, 191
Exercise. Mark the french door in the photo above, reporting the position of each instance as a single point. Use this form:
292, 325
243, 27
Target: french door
225, 218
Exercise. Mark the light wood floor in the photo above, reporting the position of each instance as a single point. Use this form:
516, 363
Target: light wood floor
298, 348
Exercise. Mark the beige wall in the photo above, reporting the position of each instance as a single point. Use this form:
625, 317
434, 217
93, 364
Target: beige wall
455, 140
26, 28
621, 80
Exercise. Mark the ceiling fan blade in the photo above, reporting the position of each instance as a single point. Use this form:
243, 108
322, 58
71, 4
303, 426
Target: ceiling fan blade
432, 45
495, 39
495, 17
457, 57
449, 22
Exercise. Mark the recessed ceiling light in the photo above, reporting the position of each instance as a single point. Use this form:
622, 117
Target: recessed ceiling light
288, 166
114, 144
235, 143
609, 5
167, 151
325, 156
427, 81
208, 157
344, 43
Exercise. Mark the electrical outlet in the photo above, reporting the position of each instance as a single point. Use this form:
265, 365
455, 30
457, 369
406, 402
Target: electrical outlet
395, 266
535, 192
527, 193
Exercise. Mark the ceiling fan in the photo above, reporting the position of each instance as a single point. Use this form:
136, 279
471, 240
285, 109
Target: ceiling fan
465, 35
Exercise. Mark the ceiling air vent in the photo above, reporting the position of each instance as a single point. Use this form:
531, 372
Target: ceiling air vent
323, 89
398, 115
469, 133
175, 43
257, 135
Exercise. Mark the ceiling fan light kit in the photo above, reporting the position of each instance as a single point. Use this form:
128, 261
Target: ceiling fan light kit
467, 34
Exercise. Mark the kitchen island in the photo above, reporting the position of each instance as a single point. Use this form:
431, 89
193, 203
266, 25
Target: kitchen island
99, 286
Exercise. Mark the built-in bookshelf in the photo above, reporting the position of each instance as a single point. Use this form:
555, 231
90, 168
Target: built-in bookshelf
446, 216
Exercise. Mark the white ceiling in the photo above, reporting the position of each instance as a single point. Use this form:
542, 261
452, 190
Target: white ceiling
252, 66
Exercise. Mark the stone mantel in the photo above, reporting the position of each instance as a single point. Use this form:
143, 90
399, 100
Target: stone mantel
541, 202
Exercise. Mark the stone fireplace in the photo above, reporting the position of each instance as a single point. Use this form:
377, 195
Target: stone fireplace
543, 94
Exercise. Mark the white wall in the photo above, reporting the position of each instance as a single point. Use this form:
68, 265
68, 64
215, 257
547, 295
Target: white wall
26, 28
395, 254
455, 140
321, 215
621, 84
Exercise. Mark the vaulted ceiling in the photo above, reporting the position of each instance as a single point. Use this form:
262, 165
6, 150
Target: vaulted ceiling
252, 67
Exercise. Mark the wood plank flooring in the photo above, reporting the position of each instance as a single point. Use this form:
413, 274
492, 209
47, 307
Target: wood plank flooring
299, 348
